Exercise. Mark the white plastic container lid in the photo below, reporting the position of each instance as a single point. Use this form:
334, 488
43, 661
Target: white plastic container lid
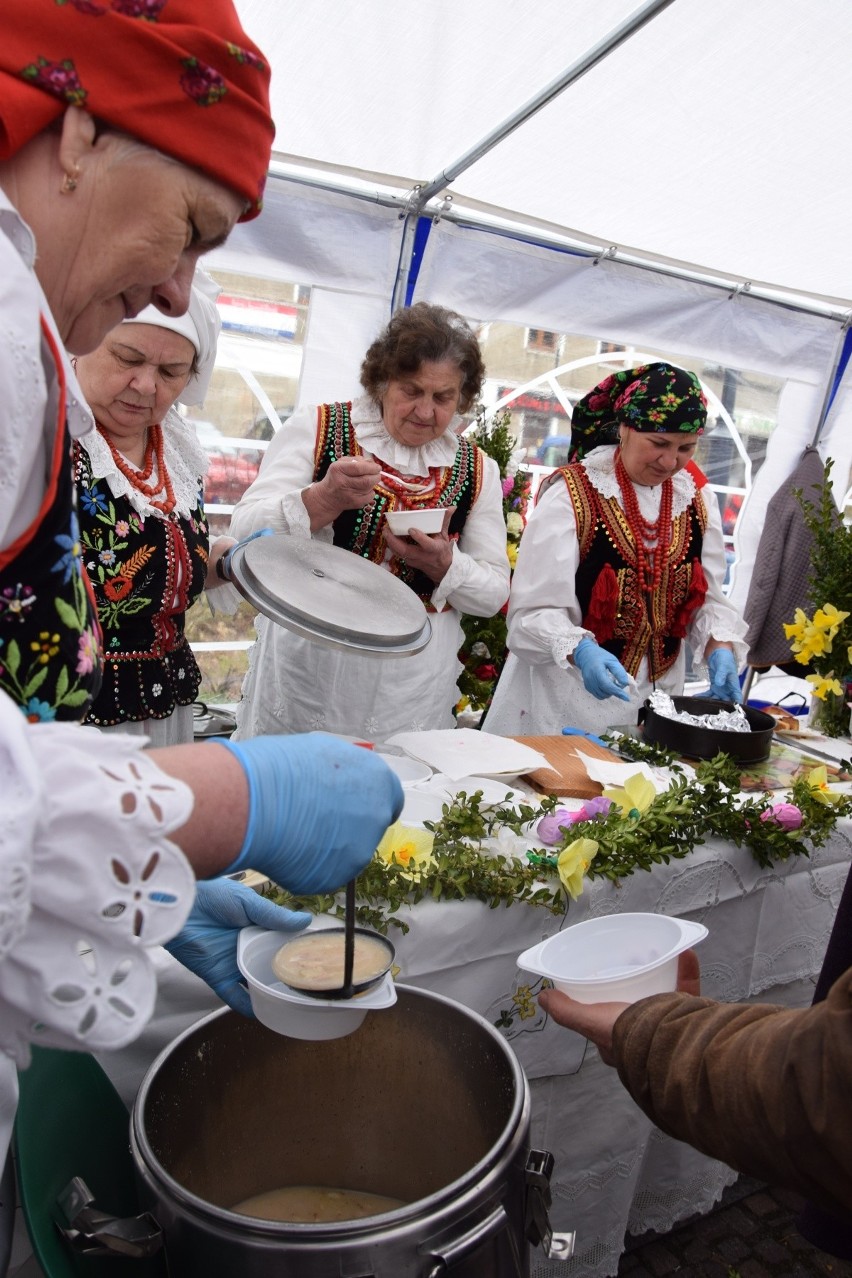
299, 1015
616, 958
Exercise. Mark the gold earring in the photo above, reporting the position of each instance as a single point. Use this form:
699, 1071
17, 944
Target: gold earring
69, 181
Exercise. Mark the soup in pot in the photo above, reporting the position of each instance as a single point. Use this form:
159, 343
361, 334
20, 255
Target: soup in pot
315, 1204
315, 961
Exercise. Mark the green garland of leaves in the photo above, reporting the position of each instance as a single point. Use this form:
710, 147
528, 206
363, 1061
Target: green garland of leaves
688, 814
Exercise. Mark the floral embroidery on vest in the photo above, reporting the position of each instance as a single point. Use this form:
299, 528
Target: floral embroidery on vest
146, 573
50, 660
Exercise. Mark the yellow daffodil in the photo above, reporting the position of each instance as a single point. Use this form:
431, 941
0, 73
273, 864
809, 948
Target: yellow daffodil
512, 552
407, 846
462, 704
824, 684
818, 782
636, 795
829, 618
573, 863
795, 629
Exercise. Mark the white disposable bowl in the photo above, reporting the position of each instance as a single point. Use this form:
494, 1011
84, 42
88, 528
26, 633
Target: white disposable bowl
298, 1015
410, 771
426, 521
618, 958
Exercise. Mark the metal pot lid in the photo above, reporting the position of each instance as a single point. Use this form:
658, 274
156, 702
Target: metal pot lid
330, 595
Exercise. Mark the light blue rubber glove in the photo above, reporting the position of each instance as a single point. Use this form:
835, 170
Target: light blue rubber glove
603, 674
318, 808
207, 942
223, 567
724, 677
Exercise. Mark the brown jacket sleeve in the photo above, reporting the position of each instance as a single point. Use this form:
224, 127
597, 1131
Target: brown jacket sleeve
765, 1089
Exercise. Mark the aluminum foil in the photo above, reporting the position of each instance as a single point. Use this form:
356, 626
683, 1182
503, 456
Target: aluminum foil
725, 721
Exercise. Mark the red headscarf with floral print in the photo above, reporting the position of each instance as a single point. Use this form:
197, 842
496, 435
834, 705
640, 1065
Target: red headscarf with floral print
179, 75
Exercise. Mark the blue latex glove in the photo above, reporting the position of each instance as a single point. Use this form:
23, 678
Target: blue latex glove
724, 677
223, 567
318, 808
603, 674
207, 943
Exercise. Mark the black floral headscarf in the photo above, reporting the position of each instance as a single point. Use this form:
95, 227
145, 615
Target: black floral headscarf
658, 398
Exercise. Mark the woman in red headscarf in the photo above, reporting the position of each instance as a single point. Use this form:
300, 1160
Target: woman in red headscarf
133, 135
621, 562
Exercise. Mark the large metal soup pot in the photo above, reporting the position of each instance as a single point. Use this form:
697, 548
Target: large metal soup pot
425, 1102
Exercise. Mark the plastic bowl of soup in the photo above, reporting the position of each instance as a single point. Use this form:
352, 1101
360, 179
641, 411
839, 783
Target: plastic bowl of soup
296, 1013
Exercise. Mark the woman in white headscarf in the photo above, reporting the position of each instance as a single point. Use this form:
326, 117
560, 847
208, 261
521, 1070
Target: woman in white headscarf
143, 529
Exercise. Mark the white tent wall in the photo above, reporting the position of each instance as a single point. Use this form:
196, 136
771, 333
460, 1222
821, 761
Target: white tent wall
491, 277
348, 250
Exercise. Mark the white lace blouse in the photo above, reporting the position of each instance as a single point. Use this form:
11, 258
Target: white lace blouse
89, 879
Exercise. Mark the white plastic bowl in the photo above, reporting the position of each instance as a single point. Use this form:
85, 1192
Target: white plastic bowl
425, 521
618, 958
410, 771
299, 1015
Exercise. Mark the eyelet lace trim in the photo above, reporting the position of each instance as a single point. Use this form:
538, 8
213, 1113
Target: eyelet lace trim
88, 880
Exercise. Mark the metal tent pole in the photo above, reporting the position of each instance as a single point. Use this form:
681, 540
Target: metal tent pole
421, 195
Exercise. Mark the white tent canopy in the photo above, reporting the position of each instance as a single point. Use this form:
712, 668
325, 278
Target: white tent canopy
686, 189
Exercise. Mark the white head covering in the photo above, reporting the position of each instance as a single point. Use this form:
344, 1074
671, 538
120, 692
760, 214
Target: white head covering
200, 325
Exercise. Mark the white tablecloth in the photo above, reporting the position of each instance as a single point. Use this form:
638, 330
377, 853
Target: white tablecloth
614, 1171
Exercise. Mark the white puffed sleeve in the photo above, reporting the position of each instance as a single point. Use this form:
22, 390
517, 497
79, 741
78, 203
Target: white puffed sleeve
477, 581
89, 881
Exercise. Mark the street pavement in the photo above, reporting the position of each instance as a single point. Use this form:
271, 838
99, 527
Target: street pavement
751, 1234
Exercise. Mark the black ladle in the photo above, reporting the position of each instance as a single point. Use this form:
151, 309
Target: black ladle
348, 940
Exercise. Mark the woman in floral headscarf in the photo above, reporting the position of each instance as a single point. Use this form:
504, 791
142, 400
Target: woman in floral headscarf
621, 561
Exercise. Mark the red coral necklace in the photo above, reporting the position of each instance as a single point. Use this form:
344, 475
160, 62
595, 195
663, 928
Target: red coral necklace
138, 479
656, 533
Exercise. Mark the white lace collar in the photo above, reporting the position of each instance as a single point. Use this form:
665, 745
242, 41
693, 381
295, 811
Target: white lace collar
184, 457
373, 436
599, 465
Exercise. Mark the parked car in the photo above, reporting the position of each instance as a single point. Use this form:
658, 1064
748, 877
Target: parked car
233, 464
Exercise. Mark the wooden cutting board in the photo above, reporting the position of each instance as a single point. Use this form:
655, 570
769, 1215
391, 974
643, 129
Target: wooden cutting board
567, 774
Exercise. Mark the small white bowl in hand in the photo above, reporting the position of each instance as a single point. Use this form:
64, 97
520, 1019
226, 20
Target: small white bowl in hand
430, 520
618, 958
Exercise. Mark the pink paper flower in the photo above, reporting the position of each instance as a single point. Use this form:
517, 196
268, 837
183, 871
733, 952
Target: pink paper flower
787, 815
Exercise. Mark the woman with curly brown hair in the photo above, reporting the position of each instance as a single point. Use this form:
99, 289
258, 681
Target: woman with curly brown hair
334, 472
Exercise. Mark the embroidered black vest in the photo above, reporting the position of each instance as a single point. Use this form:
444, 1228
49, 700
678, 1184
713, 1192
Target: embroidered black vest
145, 573
623, 621
50, 661
361, 530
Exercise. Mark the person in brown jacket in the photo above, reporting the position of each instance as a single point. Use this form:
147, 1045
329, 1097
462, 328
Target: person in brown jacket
766, 1089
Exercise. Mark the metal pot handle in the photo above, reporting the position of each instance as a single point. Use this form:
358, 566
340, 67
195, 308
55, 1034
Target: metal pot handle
95, 1233
537, 1228
456, 1249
